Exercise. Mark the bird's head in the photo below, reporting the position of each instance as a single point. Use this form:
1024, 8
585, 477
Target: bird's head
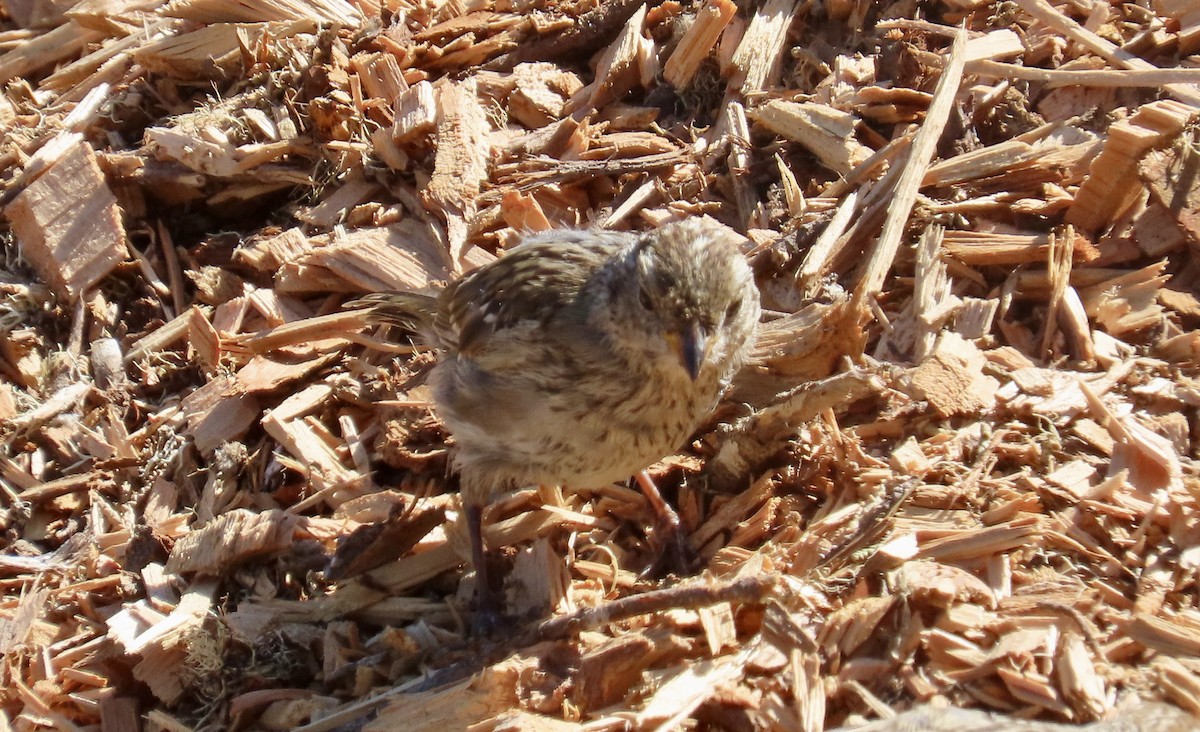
693, 297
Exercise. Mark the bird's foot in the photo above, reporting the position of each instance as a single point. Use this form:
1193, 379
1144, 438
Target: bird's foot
675, 553
486, 623
489, 604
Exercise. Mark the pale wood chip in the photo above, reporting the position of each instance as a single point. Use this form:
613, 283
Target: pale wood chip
719, 628
217, 412
1000, 43
618, 70
462, 162
852, 625
827, 132
336, 206
1033, 688
1152, 461
460, 705
540, 93
208, 52
381, 75
908, 181
608, 671
214, 156
952, 378
942, 585
1000, 158
1181, 683
416, 112
698, 41
339, 12
909, 458
758, 55
981, 542
1127, 303
44, 50
995, 248
689, 687
1082, 686
404, 256
1074, 477
523, 212
230, 539
537, 584
1112, 184
68, 223
267, 254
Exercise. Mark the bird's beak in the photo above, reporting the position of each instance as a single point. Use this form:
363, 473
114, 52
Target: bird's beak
691, 345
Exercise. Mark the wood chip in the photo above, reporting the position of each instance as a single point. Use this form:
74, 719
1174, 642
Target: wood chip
758, 54
698, 42
47, 218
461, 165
952, 378
827, 132
955, 485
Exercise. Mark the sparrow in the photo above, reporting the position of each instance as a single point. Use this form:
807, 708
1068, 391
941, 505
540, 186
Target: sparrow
580, 357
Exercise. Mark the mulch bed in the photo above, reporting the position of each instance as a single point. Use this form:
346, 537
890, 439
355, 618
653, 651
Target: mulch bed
959, 478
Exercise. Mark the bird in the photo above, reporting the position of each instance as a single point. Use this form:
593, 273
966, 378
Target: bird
579, 357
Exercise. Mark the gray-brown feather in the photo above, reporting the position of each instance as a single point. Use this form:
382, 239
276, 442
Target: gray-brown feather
411, 311
557, 365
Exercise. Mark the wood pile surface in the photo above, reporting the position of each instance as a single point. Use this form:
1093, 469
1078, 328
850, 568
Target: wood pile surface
958, 488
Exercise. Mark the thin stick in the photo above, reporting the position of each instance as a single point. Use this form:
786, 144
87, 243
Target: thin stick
745, 590
1092, 77
922, 151
1106, 49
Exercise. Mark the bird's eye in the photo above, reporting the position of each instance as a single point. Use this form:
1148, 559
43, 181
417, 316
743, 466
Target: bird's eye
645, 299
732, 311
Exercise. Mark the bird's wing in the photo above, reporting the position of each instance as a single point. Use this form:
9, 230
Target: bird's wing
530, 284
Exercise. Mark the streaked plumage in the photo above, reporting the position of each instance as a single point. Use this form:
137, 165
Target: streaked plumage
580, 357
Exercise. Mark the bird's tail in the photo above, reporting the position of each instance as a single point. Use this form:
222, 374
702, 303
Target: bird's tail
411, 311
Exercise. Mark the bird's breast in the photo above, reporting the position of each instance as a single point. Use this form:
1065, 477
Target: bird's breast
568, 418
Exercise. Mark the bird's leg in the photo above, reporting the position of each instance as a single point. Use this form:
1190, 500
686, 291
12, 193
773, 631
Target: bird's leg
488, 603
675, 547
